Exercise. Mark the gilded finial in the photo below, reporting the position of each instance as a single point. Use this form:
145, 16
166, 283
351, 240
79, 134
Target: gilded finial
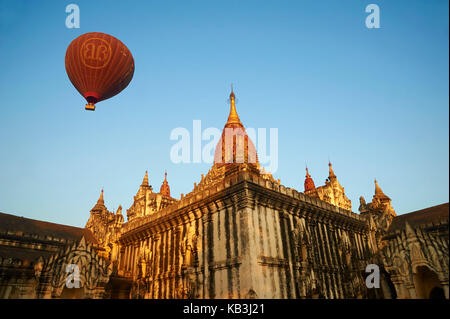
233, 118
232, 96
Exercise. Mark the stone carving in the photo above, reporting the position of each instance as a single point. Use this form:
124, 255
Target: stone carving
251, 294
142, 267
189, 290
94, 271
362, 203
189, 248
38, 266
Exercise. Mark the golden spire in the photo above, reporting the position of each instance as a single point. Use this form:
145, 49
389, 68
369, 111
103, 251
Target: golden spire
330, 169
100, 200
233, 118
307, 172
100, 205
378, 190
145, 180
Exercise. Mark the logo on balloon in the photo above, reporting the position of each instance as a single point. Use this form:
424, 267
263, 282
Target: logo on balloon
95, 53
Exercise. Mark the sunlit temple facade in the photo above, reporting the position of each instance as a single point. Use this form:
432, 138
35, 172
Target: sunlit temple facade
238, 234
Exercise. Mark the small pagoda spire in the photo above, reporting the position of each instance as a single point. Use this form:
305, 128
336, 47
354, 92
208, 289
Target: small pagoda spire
100, 199
165, 189
377, 188
233, 118
100, 205
378, 192
309, 183
330, 170
145, 180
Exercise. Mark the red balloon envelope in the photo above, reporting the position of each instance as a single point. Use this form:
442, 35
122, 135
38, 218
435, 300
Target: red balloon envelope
99, 66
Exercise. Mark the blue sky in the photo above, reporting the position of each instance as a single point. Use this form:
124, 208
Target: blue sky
374, 101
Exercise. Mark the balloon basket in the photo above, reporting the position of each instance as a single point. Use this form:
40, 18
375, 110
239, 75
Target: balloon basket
90, 107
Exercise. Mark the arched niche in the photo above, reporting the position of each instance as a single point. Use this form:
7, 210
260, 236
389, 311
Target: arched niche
426, 281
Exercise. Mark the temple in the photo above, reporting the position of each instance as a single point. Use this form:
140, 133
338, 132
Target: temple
238, 234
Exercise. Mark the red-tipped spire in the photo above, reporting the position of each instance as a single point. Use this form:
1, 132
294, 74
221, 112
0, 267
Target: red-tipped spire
165, 189
309, 183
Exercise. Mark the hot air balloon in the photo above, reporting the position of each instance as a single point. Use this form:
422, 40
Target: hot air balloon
99, 66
